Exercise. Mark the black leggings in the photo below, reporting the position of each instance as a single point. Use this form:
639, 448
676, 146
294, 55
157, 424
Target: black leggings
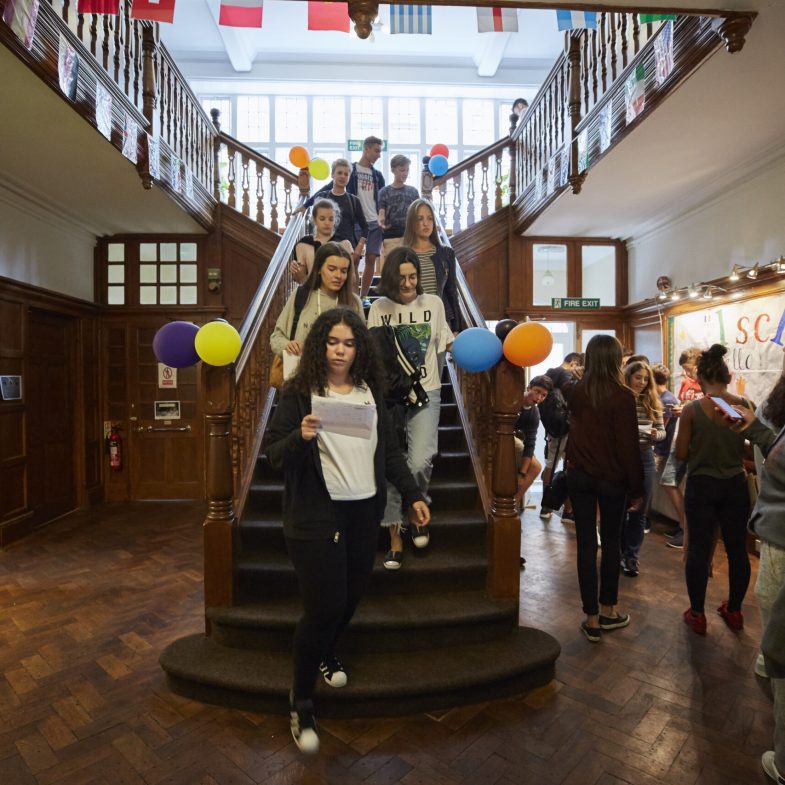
708, 502
333, 577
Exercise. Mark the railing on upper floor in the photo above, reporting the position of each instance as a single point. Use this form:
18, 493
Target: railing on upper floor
245, 176
238, 404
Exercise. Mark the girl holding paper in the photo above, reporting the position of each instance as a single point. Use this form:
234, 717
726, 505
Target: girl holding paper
329, 284
335, 493
419, 316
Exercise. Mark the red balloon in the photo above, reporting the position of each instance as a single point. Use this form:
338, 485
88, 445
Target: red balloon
440, 149
528, 344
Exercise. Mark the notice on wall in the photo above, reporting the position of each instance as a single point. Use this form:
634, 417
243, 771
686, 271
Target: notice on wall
752, 330
167, 376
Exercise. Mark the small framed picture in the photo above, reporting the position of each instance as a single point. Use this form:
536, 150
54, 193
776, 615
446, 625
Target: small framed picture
167, 410
11, 388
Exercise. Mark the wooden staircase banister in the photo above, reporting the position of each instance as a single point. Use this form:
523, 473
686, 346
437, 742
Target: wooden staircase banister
256, 156
473, 160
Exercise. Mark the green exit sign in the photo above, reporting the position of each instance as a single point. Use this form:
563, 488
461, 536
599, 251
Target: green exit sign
575, 303
356, 145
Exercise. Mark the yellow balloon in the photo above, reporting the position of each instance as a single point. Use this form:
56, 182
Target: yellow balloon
319, 169
299, 157
217, 343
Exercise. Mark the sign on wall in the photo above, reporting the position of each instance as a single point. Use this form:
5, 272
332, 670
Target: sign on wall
753, 332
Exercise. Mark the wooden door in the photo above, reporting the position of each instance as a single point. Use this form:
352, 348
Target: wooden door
166, 456
49, 392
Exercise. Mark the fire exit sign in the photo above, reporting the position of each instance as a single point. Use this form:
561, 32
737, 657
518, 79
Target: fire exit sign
575, 303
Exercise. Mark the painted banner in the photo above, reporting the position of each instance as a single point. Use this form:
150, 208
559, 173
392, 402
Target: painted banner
752, 330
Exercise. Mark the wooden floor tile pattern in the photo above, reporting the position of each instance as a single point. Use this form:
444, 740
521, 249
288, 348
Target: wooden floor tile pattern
87, 603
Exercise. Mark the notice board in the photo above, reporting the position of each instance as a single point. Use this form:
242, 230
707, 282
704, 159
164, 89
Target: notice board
753, 330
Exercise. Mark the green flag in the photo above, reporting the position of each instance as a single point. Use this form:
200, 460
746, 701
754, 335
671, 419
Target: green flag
647, 18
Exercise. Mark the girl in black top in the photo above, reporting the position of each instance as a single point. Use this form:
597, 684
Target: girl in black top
334, 496
325, 216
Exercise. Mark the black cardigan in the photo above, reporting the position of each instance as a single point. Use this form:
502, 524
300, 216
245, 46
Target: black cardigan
307, 508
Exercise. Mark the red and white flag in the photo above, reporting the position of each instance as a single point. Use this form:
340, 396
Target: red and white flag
98, 7
497, 20
154, 10
241, 13
328, 16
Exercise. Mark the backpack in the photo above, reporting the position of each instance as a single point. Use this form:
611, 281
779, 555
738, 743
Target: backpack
554, 414
402, 361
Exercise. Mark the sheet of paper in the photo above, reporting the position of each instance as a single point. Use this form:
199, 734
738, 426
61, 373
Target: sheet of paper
349, 419
290, 363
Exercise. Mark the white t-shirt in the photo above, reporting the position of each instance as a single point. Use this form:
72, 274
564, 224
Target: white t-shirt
422, 318
347, 462
365, 192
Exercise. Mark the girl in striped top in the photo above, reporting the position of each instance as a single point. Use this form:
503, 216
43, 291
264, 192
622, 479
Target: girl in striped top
651, 428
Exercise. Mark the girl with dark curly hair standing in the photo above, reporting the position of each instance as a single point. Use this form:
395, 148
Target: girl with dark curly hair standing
335, 493
716, 492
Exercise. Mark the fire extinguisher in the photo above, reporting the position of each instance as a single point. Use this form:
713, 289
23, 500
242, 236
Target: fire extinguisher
115, 449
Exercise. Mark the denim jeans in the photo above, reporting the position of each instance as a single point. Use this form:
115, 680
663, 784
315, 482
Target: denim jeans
635, 523
586, 493
708, 502
422, 439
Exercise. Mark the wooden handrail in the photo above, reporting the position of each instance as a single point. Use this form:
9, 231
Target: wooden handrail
254, 155
472, 160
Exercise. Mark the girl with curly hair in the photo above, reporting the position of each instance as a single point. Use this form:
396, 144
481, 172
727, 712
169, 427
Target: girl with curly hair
716, 492
639, 377
335, 492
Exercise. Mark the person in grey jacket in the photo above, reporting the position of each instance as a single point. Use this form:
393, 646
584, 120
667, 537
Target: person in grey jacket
768, 523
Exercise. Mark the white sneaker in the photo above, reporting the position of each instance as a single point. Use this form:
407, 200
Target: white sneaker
303, 726
333, 672
770, 767
421, 536
760, 667
545, 513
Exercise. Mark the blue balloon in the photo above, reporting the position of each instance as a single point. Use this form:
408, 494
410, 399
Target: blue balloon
438, 166
477, 349
173, 344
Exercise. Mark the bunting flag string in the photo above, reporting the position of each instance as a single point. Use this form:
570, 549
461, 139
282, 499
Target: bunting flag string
577, 20
647, 18
153, 10
497, 20
328, 16
241, 13
410, 19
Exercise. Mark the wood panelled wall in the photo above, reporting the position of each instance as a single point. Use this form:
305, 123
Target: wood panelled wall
50, 441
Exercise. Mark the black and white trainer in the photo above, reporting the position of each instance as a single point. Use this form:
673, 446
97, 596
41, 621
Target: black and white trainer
333, 672
303, 726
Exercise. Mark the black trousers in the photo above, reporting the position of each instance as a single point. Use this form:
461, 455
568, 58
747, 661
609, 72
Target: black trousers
586, 493
333, 576
709, 502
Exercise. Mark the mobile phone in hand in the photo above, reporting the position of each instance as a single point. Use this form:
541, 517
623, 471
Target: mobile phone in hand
725, 407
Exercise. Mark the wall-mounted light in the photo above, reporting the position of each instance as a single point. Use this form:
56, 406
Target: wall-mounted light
779, 265
707, 293
734, 273
753, 271
675, 296
693, 292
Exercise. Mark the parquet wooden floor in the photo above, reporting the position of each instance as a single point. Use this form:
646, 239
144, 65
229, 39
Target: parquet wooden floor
87, 603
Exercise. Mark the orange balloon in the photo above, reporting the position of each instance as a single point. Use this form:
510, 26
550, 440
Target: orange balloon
299, 157
528, 344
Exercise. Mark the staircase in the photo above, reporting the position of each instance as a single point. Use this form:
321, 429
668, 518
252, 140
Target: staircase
425, 637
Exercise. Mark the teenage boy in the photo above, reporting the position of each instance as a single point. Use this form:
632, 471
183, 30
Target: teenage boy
366, 182
526, 434
394, 201
352, 226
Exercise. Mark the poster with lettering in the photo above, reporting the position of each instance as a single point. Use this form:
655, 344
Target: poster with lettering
753, 332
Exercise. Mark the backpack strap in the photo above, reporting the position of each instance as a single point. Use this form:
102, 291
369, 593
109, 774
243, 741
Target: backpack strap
300, 299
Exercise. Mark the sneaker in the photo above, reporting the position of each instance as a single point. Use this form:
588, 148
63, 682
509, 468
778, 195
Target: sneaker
303, 726
697, 621
421, 536
545, 513
630, 567
393, 560
734, 619
567, 516
614, 622
770, 767
677, 540
760, 667
594, 634
646, 528
333, 672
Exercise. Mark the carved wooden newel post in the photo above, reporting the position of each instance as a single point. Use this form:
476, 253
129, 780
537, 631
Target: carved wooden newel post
215, 114
576, 177
504, 525
219, 524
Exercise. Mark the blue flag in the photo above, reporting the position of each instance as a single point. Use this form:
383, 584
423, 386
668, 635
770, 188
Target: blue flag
411, 19
577, 20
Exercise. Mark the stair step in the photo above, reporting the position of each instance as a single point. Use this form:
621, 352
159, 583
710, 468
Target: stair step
451, 438
383, 623
430, 570
380, 684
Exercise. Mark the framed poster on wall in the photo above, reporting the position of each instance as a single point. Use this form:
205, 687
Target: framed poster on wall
753, 330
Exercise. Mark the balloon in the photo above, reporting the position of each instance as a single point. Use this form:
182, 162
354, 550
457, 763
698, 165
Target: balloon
299, 157
173, 344
438, 166
503, 328
440, 149
319, 168
476, 349
528, 344
218, 343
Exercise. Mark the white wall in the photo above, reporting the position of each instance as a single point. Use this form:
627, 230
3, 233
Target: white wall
42, 249
746, 224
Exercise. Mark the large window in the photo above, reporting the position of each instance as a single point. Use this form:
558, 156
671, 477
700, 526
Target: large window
253, 118
329, 119
549, 272
441, 120
367, 117
404, 120
479, 122
291, 119
598, 277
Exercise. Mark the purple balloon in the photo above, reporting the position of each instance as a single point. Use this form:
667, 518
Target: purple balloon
173, 344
